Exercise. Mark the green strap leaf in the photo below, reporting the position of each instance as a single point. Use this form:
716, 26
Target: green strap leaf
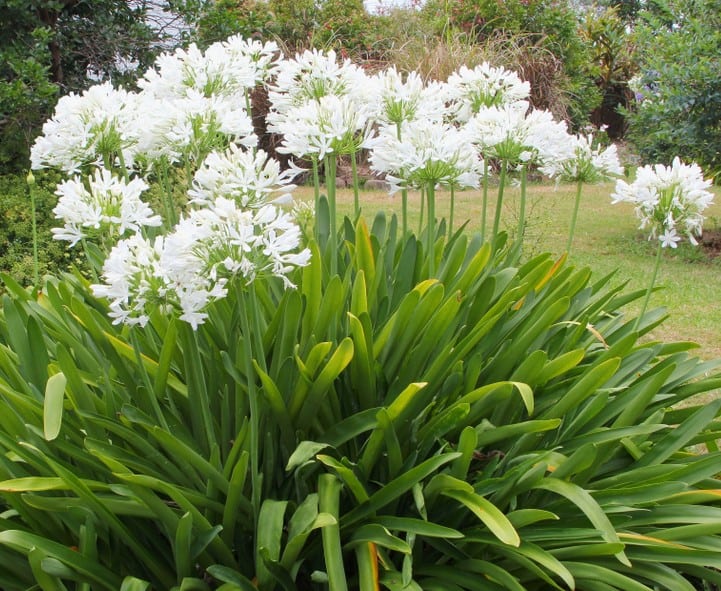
53, 406
488, 513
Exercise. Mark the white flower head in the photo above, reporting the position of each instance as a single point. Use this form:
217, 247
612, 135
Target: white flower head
250, 178
515, 134
86, 129
192, 126
107, 208
428, 152
135, 280
587, 163
312, 75
331, 124
668, 199
470, 90
406, 98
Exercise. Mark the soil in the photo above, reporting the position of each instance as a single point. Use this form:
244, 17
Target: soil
710, 242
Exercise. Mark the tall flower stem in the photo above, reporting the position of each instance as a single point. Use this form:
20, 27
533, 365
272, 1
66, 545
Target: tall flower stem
484, 210
659, 253
522, 209
499, 200
404, 194
199, 401
247, 305
33, 205
421, 216
316, 195
164, 176
574, 217
450, 215
330, 183
356, 197
431, 196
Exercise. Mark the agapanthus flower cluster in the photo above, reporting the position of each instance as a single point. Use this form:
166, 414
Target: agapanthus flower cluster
330, 125
104, 207
669, 200
87, 129
401, 98
191, 103
250, 178
428, 152
585, 162
518, 135
192, 266
471, 90
310, 76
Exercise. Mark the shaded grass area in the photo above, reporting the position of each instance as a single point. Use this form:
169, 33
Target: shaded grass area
607, 240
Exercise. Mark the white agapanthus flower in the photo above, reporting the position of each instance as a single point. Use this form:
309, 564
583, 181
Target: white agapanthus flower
224, 69
250, 178
429, 152
587, 163
668, 200
470, 90
106, 208
135, 280
313, 75
262, 56
87, 129
192, 126
401, 98
518, 135
192, 266
330, 125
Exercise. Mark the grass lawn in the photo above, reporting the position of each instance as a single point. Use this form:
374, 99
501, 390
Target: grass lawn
607, 239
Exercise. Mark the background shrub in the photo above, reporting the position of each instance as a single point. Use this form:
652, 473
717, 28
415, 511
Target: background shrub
679, 84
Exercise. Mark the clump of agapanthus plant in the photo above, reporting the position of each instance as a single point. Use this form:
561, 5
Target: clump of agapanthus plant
669, 201
588, 162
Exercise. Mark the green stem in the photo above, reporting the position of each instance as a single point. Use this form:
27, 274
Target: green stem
316, 195
247, 310
484, 210
164, 174
522, 209
329, 488
148, 390
356, 197
404, 193
423, 205
659, 253
499, 200
89, 258
330, 185
574, 217
450, 216
198, 398
431, 193
33, 205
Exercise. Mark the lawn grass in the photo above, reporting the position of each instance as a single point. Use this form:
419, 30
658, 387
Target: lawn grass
607, 239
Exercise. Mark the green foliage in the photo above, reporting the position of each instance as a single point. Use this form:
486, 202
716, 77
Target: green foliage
494, 427
679, 52
26, 96
296, 24
48, 46
16, 236
612, 66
